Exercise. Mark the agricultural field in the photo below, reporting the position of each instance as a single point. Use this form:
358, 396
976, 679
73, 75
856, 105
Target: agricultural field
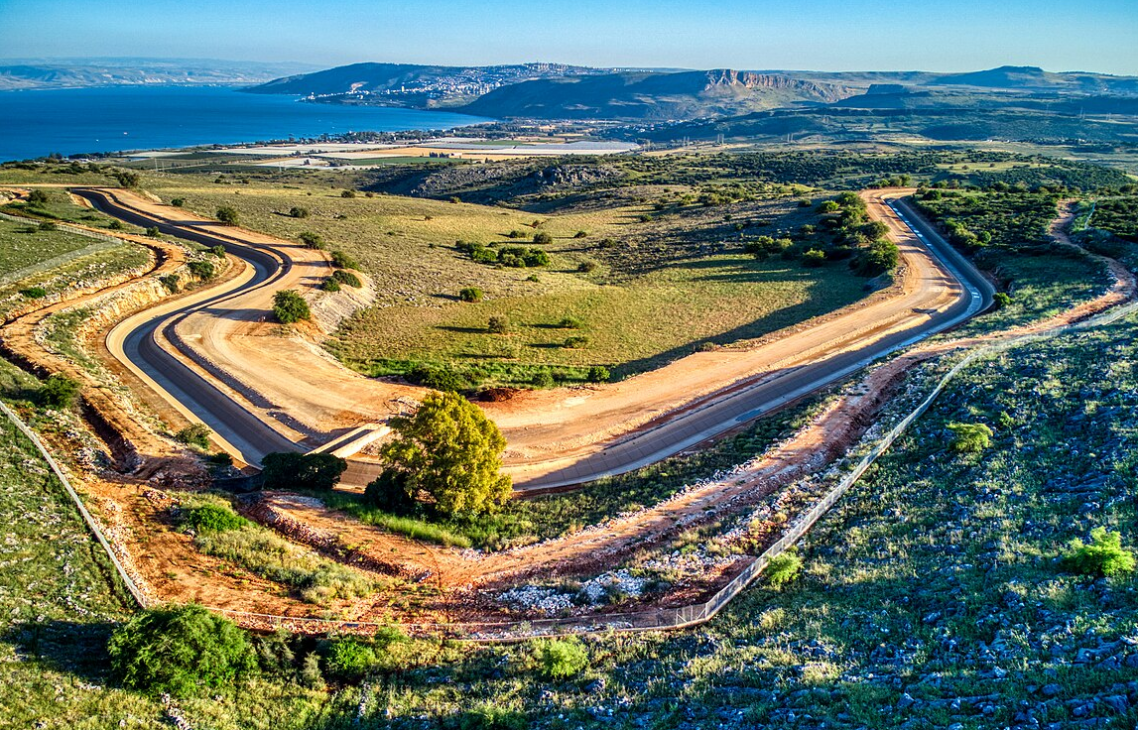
628, 287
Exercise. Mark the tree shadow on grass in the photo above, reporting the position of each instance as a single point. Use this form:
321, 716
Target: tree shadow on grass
75, 648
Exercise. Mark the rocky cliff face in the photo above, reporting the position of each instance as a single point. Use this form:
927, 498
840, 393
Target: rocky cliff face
723, 79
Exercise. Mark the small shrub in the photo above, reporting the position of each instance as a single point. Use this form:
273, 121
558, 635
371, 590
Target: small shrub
598, 374
542, 379
348, 194
470, 294
581, 234
351, 658
1104, 556
153, 232
499, 325
330, 284
310, 674
59, 391
586, 267
561, 658
814, 258
576, 342
218, 251
182, 651
34, 292
298, 212
227, 214
347, 278
47, 226
202, 269
116, 225
178, 202
607, 243
1001, 300
171, 282
311, 240
782, 569
38, 197
542, 237
571, 323
213, 518
969, 438
437, 378
290, 307
196, 434
344, 261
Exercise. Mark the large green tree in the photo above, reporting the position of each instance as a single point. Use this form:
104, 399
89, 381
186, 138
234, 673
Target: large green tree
451, 453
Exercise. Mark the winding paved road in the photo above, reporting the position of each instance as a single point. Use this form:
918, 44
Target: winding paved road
946, 291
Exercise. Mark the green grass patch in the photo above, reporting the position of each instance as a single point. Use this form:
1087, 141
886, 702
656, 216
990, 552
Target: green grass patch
262, 552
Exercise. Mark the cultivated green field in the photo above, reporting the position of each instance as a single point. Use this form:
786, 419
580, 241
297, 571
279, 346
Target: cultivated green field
697, 287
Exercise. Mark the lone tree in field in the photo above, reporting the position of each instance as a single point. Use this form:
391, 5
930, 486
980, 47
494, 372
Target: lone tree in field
450, 453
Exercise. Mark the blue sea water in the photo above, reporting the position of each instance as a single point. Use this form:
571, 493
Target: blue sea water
114, 119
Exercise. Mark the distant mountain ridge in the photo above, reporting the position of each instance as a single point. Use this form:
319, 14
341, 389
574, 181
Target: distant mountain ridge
1036, 79
557, 91
87, 73
646, 96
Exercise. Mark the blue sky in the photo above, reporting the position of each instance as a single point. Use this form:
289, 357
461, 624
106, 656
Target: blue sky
949, 35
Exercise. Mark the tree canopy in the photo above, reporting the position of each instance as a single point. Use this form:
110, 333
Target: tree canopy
450, 453
180, 650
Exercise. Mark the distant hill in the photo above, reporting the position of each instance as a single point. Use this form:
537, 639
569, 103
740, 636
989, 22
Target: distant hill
1032, 78
415, 85
653, 96
86, 73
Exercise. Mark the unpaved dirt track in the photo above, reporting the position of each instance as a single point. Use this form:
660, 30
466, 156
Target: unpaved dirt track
262, 392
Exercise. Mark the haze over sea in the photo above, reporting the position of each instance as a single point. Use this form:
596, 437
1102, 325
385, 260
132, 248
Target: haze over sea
113, 119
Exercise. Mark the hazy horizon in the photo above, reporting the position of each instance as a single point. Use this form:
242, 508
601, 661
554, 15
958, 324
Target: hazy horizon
77, 60
818, 35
